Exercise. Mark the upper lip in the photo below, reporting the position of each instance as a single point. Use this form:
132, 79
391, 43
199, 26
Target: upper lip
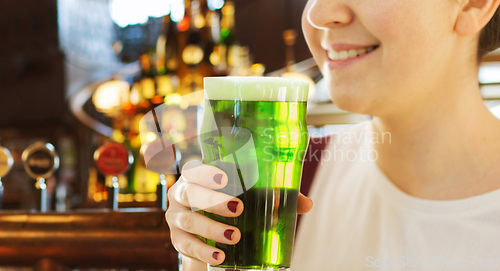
345, 47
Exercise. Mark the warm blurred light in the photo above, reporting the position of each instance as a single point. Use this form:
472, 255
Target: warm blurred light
109, 95
178, 10
164, 85
215, 57
139, 197
148, 88
192, 54
183, 25
130, 12
150, 197
135, 95
125, 197
489, 73
150, 136
117, 136
215, 4
125, 98
233, 55
199, 21
258, 69
228, 9
173, 99
98, 197
161, 45
198, 18
157, 99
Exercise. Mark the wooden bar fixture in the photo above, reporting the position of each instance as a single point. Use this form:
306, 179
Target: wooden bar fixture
127, 238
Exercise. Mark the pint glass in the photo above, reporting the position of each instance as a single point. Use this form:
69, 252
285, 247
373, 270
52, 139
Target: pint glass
254, 129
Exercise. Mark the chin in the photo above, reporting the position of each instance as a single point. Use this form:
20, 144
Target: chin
349, 105
351, 101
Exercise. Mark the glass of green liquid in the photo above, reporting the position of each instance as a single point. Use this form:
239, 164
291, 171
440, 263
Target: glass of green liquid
254, 128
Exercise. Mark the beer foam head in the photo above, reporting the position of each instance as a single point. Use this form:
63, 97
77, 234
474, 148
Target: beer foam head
258, 89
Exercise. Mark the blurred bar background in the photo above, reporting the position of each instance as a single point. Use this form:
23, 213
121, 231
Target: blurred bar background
79, 73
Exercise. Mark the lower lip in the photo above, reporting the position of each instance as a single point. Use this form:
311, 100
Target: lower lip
338, 64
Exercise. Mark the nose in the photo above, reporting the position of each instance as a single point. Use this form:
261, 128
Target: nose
328, 14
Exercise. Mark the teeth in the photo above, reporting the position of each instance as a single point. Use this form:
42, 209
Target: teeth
333, 55
353, 53
342, 55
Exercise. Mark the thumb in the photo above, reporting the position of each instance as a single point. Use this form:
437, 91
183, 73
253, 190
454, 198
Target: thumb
304, 204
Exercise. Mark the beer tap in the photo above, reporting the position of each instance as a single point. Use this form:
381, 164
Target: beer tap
6, 163
113, 159
40, 161
161, 193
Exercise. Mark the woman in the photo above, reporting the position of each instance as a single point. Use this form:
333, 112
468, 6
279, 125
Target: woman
430, 200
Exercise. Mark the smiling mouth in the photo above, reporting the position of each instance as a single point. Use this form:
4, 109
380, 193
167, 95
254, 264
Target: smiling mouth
347, 54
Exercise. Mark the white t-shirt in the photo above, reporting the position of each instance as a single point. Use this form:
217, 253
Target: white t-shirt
362, 221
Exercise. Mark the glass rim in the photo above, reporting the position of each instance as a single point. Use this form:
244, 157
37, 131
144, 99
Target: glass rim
259, 89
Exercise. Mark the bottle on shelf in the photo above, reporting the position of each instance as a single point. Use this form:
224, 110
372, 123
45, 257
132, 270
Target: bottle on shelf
147, 82
289, 37
228, 32
193, 53
167, 81
213, 57
230, 50
241, 63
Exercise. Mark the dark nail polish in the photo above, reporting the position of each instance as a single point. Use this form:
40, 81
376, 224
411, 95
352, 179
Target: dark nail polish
232, 206
218, 178
215, 255
229, 234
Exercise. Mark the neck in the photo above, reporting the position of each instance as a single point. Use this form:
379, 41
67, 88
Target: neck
444, 149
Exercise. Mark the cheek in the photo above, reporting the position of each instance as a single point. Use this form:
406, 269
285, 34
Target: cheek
313, 38
388, 20
409, 27
408, 33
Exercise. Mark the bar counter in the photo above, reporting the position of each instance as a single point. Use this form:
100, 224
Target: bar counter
99, 238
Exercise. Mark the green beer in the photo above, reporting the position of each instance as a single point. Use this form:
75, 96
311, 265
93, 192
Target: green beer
255, 130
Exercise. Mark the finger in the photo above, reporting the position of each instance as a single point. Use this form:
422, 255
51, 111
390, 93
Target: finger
201, 225
195, 196
207, 176
192, 247
189, 263
304, 204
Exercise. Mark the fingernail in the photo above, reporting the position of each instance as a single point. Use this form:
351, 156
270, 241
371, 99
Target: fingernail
218, 178
232, 206
215, 255
229, 234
